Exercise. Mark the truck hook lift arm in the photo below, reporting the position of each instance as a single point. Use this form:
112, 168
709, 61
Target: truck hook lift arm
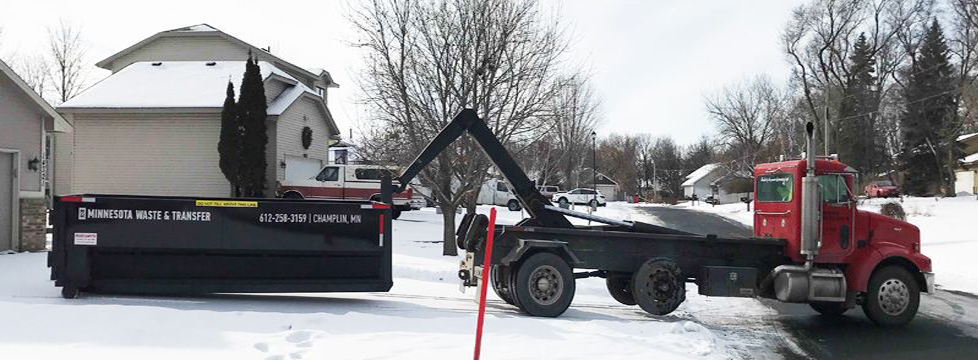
524, 189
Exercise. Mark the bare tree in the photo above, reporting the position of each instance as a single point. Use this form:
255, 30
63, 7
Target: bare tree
428, 60
35, 71
822, 34
963, 42
746, 116
66, 50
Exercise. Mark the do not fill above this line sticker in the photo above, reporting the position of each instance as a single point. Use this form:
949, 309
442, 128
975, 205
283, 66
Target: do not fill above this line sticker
227, 203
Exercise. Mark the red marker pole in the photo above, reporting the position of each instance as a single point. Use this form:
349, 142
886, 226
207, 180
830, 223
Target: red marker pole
484, 284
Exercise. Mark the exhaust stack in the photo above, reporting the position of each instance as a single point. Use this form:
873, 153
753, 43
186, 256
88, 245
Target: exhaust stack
810, 201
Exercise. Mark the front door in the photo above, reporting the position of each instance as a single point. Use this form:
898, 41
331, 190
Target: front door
7, 182
837, 215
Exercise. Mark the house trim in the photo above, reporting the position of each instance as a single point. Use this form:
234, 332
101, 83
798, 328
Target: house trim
14, 198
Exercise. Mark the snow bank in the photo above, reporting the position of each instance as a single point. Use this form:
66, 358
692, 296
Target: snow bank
422, 317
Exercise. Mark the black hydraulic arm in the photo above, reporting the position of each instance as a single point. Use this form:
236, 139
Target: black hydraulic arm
524, 189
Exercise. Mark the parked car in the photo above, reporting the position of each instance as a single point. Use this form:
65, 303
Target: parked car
882, 188
548, 190
580, 196
345, 182
496, 192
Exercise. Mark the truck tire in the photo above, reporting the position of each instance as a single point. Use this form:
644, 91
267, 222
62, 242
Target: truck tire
593, 203
659, 286
892, 297
500, 282
69, 292
620, 287
830, 309
543, 285
562, 201
513, 205
395, 213
292, 195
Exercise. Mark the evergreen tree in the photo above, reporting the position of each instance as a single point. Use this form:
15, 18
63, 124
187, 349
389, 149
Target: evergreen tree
926, 124
229, 146
858, 145
252, 112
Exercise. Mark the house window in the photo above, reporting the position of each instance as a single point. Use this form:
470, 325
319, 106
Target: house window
320, 91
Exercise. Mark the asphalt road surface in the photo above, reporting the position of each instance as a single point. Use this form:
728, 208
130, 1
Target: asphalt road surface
946, 326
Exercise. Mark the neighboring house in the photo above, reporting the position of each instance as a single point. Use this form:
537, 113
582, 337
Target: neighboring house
714, 180
605, 185
698, 182
25, 122
152, 127
966, 176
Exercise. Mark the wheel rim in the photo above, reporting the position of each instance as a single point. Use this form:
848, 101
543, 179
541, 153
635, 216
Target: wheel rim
659, 287
546, 285
563, 201
894, 297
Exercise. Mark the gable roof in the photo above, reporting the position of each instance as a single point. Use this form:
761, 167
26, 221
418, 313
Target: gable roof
60, 124
699, 174
207, 30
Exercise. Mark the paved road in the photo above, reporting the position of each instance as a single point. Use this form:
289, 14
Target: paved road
946, 326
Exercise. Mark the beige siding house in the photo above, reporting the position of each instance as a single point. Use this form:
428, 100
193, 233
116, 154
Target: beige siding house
152, 127
25, 122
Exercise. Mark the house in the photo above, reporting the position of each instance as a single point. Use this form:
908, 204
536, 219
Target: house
604, 184
25, 122
698, 182
966, 176
152, 126
716, 181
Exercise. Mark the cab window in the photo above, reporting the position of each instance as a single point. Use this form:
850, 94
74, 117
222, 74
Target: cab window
775, 188
371, 174
833, 189
330, 173
501, 186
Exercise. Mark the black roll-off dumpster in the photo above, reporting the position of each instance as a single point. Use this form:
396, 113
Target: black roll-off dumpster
185, 245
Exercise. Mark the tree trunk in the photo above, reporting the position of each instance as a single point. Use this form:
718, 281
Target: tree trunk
448, 232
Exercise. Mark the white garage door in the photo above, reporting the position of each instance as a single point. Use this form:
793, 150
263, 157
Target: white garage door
298, 168
964, 181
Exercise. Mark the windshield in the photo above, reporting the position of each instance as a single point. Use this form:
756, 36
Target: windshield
775, 188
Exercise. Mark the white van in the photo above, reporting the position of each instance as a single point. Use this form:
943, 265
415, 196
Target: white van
496, 192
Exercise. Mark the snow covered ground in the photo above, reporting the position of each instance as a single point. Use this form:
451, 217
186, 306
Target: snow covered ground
423, 316
948, 233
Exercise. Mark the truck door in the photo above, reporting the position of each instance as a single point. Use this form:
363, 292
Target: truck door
837, 215
331, 183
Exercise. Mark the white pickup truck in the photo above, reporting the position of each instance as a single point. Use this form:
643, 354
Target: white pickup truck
345, 182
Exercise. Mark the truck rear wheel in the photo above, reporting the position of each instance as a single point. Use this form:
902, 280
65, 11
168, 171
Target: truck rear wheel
395, 213
659, 286
830, 308
620, 287
543, 285
69, 292
892, 297
500, 283
513, 205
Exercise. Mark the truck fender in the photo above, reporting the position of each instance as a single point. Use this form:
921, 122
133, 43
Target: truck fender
858, 273
528, 246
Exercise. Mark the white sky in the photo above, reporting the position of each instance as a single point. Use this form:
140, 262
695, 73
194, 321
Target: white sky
651, 61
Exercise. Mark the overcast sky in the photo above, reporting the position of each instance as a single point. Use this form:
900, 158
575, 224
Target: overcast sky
652, 62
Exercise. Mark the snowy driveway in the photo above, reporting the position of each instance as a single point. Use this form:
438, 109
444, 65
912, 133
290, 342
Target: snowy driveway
424, 316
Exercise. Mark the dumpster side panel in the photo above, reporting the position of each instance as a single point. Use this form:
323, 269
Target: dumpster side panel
186, 245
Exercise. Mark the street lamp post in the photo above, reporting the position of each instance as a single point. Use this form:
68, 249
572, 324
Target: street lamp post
594, 166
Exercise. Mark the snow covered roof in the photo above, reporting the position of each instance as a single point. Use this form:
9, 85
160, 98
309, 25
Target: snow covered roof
60, 124
699, 174
971, 158
179, 84
967, 136
194, 28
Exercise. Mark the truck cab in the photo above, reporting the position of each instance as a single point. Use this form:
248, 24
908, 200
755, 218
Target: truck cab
855, 242
345, 182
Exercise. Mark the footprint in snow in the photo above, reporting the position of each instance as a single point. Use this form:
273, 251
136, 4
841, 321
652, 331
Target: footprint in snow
263, 347
298, 336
